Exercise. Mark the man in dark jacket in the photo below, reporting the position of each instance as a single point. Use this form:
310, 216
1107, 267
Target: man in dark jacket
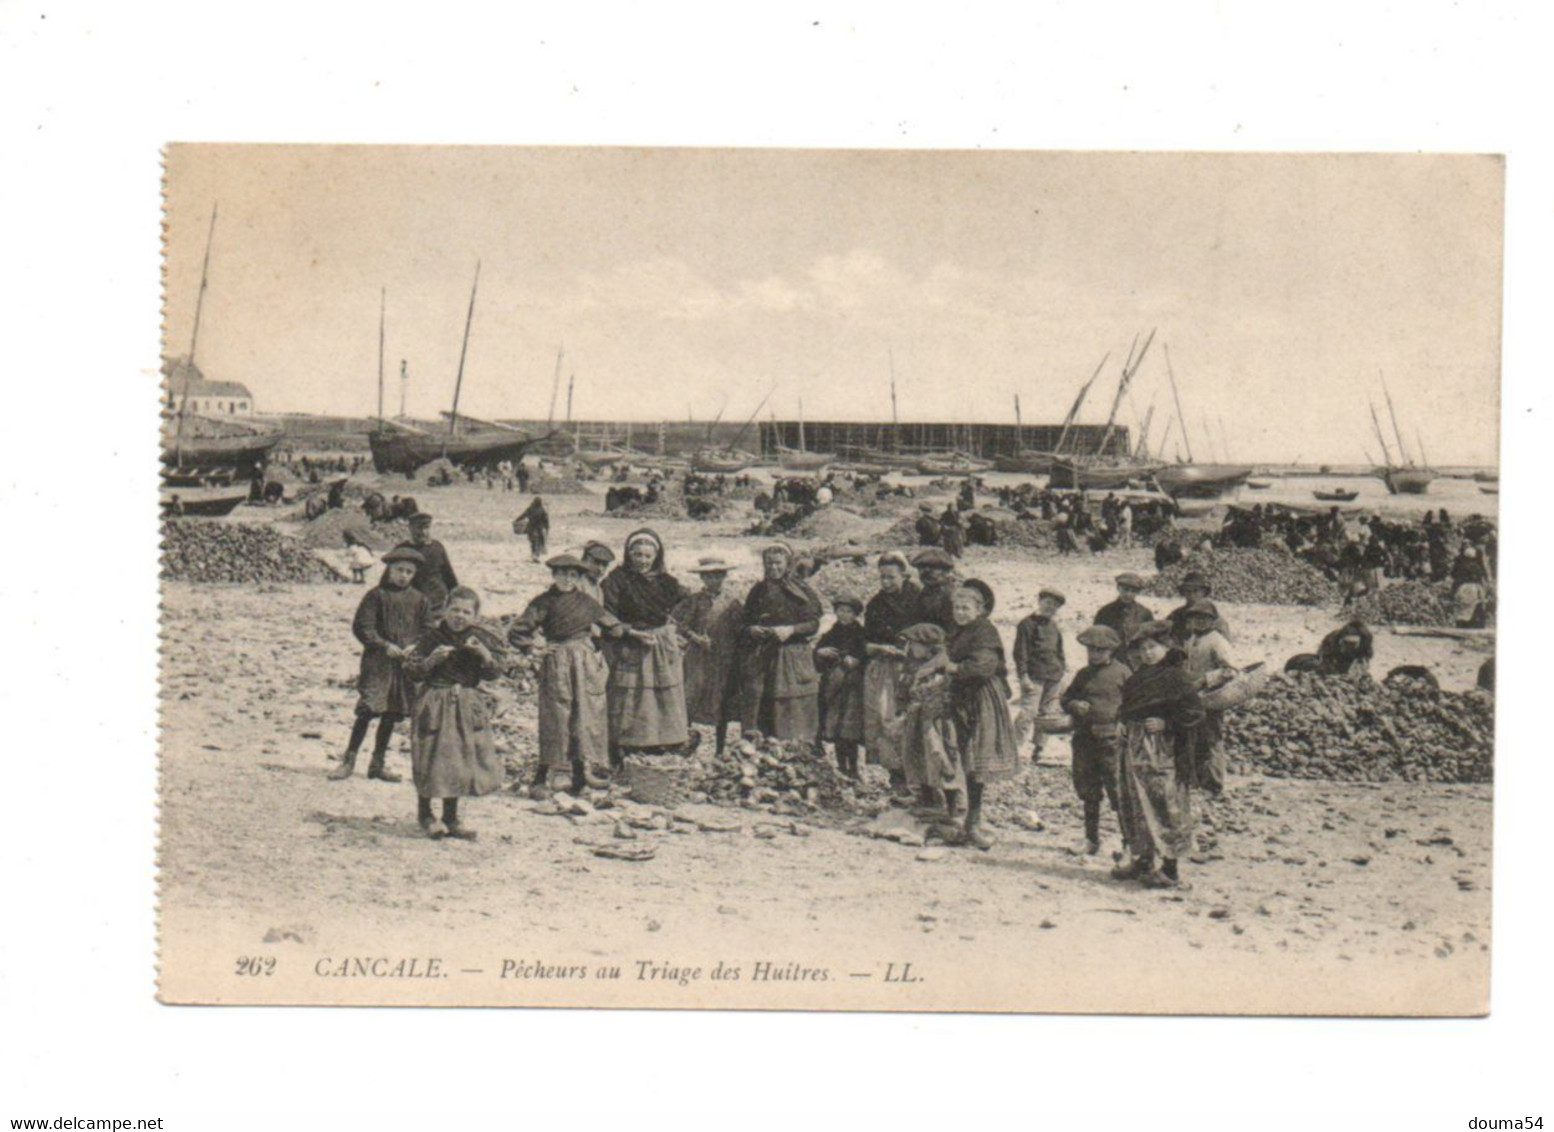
434, 576
1124, 615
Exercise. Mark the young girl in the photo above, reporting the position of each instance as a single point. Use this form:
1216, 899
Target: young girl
1159, 709
840, 656
647, 677
388, 621
925, 732
452, 755
359, 556
979, 695
574, 728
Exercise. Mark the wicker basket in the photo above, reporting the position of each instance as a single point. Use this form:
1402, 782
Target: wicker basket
661, 780
1060, 724
1238, 690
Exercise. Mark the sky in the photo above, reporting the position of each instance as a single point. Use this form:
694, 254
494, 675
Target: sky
678, 282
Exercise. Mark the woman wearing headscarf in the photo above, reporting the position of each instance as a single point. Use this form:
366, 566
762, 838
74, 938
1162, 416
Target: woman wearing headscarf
779, 690
647, 677
1159, 713
889, 613
979, 697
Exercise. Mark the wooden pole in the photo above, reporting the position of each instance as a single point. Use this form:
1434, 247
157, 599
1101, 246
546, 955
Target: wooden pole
555, 387
1177, 397
895, 423
458, 381
199, 299
382, 314
1376, 424
1402, 450
1073, 412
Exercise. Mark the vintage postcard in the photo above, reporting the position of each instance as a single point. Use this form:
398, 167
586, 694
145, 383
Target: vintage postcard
828, 580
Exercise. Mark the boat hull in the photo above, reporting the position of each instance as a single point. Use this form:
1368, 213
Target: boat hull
1025, 463
1408, 481
404, 452
181, 506
805, 461
1201, 481
241, 455
1100, 477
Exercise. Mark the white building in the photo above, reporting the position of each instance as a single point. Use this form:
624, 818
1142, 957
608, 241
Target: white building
189, 391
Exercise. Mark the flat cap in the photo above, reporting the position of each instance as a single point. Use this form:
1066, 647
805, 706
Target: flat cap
1056, 595
404, 554
923, 633
420, 519
712, 564
1201, 607
1131, 580
931, 559
566, 562
1153, 631
1100, 637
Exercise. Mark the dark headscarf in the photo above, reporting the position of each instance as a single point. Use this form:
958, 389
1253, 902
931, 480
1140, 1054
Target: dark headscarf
642, 600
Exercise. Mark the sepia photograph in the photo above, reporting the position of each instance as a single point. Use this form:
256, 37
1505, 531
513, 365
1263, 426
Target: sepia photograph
820, 579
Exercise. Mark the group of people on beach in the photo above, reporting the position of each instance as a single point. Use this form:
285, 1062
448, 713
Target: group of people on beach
915, 679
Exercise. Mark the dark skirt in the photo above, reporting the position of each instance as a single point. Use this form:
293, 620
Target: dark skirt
988, 748
452, 752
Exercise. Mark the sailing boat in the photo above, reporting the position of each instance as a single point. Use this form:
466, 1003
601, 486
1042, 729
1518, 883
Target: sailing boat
1406, 478
800, 459
1190, 479
1102, 471
399, 447
199, 449
728, 459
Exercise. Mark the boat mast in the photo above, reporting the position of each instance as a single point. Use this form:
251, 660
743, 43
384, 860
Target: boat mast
571, 381
404, 384
458, 382
1165, 440
1019, 426
801, 424
1402, 450
1129, 368
895, 423
194, 337
1376, 424
199, 299
1068, 421
382, 313
1177, 397
1209, 433
555, 387
1423, 458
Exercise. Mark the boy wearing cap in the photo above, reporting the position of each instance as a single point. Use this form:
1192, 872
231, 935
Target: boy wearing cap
596, 560
435, 576
839, 658
710, 621
1093, 698
1194, 586
1124, 615
573, 710
389, 620
1039, 664
936, 602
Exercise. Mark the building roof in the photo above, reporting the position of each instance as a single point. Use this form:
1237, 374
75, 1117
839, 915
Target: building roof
185, 378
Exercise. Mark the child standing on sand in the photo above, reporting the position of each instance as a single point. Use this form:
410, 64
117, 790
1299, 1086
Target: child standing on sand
452, 754
574, 724
358, 556
839, 657
391, 616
